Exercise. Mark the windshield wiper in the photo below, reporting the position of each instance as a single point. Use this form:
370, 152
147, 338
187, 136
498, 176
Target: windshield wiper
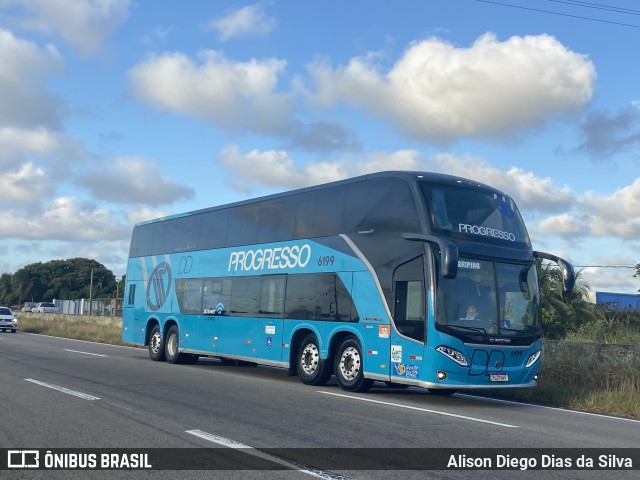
480, 330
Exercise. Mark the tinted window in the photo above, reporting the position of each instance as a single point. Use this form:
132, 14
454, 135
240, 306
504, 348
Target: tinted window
272, 296
142, 240
473, 213
216, 296
212, 227
132, 294
409, 315
319, 213
185, 237
163, 237
245, 296
189, 294
276, 221
379, 212
242, 224
319, 296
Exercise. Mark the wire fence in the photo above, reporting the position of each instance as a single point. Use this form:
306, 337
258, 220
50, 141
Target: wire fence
108, 307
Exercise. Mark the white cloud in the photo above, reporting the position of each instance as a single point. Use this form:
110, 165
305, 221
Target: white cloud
530, 191
276, 169
133, 180
24, 71
82, 23
20, 144
64, 219
248, 21
440, 93
564, 225
26, 184
233, 95
614, 215
596, 215
143, 214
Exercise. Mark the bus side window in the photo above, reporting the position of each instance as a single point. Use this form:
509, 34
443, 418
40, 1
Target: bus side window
409, 314
132, 294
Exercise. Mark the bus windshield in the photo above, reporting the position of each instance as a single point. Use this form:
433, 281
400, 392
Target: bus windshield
470, 212
490, 298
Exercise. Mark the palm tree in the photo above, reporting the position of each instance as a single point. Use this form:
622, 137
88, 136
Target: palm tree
562, 312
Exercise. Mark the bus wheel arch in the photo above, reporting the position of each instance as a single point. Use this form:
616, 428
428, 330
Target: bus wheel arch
349, 366
311, 367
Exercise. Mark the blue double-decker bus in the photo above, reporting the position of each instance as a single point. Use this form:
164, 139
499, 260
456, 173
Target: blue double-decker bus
408, 278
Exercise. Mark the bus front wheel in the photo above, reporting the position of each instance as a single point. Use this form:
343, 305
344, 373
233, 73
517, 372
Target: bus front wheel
312, 369
156, 345
349, 367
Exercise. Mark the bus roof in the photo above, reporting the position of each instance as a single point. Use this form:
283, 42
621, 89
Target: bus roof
406, 175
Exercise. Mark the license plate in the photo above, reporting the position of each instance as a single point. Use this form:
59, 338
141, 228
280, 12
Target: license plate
498, 377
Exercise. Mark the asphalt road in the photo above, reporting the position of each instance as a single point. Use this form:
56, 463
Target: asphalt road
59, 393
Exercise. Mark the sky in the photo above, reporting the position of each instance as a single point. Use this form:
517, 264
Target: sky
117, 111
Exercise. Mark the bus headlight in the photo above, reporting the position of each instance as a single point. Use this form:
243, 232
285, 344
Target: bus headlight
533, 358
455, 355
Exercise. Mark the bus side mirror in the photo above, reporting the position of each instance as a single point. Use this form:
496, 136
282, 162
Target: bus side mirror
448, 251
568, 276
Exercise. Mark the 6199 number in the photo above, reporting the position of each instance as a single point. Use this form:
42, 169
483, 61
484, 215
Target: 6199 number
326, 261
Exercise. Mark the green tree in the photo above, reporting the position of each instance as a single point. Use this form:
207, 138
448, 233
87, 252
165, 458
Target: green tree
64, 279
563, 312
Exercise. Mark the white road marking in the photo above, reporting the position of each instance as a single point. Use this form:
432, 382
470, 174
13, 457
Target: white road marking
84, 396
409, 407
229, 443
85, 353
559, 409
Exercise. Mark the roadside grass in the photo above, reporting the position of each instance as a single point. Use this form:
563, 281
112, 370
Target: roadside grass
94, 329
569, 378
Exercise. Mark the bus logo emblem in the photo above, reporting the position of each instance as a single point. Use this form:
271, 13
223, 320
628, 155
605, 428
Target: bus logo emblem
159, 286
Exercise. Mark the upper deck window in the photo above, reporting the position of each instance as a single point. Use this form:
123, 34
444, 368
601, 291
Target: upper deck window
473, 213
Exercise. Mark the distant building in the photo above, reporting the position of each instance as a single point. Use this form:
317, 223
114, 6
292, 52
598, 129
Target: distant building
619, 301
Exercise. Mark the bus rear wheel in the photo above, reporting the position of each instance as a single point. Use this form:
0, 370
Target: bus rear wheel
172, 347
349, 366
312, 369
156, 345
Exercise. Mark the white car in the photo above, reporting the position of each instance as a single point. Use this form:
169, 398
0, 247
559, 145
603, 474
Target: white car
8, 320
45, 307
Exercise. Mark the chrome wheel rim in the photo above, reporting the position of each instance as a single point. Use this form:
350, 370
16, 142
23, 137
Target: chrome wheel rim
350, 363
156, 342
309, 359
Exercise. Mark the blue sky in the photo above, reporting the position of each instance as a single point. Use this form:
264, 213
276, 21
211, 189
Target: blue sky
115, 111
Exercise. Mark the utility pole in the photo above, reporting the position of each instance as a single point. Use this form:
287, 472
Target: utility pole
91, 294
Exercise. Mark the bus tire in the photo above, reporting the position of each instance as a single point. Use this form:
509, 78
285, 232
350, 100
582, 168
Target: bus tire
156, 345
312, 369
172, 346
349, 366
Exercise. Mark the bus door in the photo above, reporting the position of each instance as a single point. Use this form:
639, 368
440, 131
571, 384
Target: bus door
199, 301
133, 330
269, 343
239, 327
408, 336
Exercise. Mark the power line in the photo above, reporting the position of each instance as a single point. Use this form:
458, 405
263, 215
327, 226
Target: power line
606, 266
598, 6
561, 14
